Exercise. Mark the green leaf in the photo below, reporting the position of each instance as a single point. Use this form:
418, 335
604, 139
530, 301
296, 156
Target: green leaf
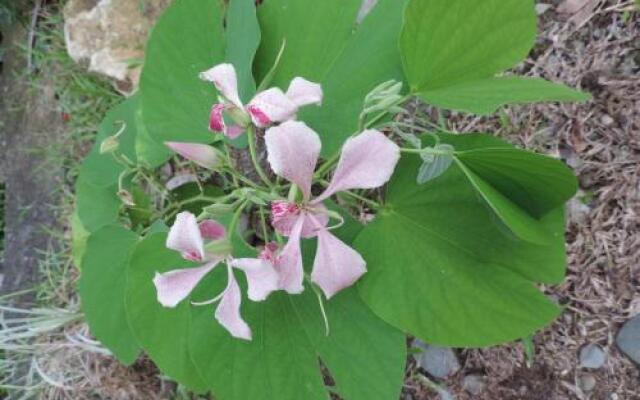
242, 40
485, 96
186, 40
444, 42
452, 50
79, 239
535, 182
366, 356
434, 166
102, 289
96, 206
163, 333
349, 60
149, 153
441, 268
315, 34
519, 186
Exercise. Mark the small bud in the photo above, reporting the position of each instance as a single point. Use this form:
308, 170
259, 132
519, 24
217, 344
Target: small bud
110, 144
219, 247
206, 156
239, 116
126, 198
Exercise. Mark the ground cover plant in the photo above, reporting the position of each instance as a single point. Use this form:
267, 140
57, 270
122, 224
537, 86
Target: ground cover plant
396, 232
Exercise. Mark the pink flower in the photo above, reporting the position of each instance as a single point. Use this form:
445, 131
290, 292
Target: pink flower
188, 237
201, 154
367, 161
266, 108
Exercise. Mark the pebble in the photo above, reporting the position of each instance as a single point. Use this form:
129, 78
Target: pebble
474, 384
592, 356
439, 362
586, 382
628, 339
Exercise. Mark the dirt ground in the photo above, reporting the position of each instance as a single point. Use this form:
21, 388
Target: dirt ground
595, 48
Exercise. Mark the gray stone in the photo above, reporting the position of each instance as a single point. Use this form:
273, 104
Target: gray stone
592, 356
586, 382
109, 36
628, 339
474, 384
439, 362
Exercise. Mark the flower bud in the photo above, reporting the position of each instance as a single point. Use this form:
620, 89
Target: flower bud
206, 156
110, 144
219, 247
126, 198
216, 210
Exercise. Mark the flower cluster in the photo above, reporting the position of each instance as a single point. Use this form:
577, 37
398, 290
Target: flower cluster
367, 161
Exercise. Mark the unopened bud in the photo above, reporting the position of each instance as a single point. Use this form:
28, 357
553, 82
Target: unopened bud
216, 210
219, 247
110, 144
204, 155
126, 198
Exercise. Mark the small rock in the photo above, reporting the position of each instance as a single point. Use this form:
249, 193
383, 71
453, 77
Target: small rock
592, 356
607, 120
474, 384
577, 211
440, 362
542, 8
628, 339
586, 382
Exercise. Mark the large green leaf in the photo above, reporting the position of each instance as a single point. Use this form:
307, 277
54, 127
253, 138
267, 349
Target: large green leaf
96, 206
102, 289
187, 40
365, 355
485, 96
163, 333
324, 44
444, 42
442, 268
452, 50
242, 40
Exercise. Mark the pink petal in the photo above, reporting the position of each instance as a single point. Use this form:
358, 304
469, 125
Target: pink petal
367, 161
271, 106
303, 92
224, 78
292, 152
216, 118
201, 154
262, 278
184, 236
228, 311
212, 230
289, 264
234, 131
336, 265
283, 222
174, 286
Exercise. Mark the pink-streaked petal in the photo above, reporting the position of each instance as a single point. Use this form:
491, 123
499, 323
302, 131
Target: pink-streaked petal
367, 161
289, 264
212, 230
224, 78
336, 265
271, 106
201, 154
262, 278
174, 286
184, 236
228, 311
303, 92
292, 152
216, 118
234, 131
283, 222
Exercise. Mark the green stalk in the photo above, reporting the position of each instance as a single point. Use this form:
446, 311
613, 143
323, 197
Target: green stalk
251, 135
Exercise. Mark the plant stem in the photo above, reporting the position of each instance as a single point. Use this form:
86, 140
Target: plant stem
251, 135
236, 217
369, 202
427, 150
